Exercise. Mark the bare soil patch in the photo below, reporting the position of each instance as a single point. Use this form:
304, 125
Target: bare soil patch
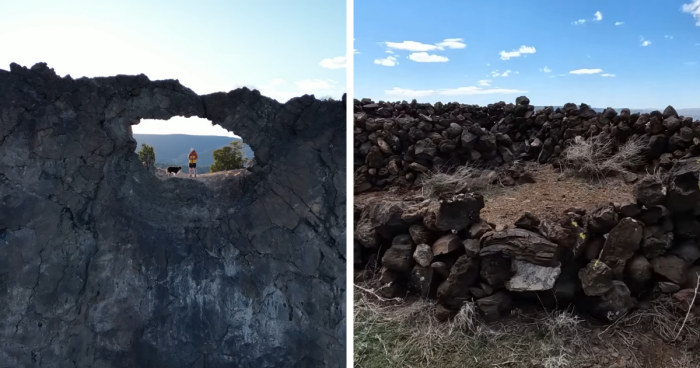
550, 194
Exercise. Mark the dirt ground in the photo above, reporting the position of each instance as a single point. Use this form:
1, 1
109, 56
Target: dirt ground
551, 194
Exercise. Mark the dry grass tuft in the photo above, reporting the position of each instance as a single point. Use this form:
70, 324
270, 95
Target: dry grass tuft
446, 180
402, 333
398, 333
597, 157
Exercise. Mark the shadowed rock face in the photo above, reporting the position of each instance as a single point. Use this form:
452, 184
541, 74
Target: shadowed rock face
102, 264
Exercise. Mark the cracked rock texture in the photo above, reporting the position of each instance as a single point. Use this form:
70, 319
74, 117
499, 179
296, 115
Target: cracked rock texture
104, 265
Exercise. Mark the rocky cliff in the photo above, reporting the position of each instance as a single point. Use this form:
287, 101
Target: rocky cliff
102, 264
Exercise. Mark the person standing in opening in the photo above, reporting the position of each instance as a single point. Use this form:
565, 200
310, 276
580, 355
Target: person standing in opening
193, 162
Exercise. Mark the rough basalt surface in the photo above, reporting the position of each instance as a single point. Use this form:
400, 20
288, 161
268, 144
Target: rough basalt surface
396, 143
604, 262
102, 264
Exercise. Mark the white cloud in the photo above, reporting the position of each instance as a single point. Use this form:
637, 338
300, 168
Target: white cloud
388, 61
314, 85
668, 37
449, 43
389, 52
452, 43
495, 73
423, 57
410, 46
488, 64
477, 91
355, 51
334, 63
619, 23
461, 91
401, 92
580, 21
693, 8
484, 82
546, 70
598, 16
506, 73
586, 71
517, 53
607, 75
645, 42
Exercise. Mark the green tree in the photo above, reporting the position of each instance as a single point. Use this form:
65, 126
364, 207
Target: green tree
229, 157
147, 155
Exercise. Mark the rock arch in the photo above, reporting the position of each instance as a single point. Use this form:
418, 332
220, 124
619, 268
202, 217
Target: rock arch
104, 265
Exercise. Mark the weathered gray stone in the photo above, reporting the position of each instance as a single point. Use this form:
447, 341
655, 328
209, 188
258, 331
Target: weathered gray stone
104, 264
423, 255
531, 277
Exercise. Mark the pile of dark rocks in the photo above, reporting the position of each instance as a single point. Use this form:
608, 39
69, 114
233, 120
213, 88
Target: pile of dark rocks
603, 262
395, 143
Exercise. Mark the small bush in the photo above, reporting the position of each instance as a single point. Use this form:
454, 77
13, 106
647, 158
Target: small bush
147, 155
598, 157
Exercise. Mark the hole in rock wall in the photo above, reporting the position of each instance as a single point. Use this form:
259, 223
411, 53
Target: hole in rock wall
172, 140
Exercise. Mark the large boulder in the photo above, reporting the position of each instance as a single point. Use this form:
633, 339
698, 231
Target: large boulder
615, 303
454, 291
683, 193
446, 244
649, 192
459, 211
399, 257
522, 245
496, 306
602, 220
423, 255
671, 268
596, 278
622, 241
638, 273
532, 277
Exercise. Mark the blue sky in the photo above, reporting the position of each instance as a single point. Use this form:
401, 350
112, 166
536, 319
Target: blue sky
621, 53
283, 48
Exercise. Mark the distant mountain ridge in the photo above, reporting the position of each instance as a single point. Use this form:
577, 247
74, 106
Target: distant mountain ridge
174, 148
692, 112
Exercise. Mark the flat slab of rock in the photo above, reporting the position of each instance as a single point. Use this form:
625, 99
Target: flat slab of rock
670, 267
531, 277
446, 244
522, 245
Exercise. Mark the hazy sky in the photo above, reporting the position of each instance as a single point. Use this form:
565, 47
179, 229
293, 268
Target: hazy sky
283, 48
621, 53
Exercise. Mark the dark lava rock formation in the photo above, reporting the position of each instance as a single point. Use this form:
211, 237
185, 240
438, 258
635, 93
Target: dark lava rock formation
102, 264
604, 262
395, 143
